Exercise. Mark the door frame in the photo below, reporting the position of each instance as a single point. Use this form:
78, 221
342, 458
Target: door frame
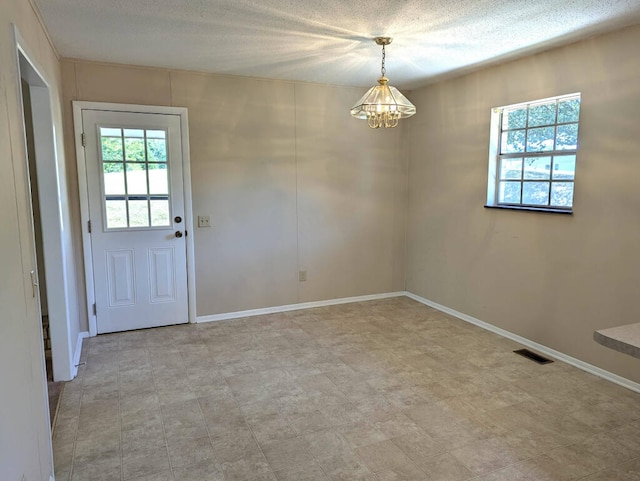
57, 255
78, 107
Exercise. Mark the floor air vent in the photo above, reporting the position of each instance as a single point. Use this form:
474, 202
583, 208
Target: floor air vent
533, 356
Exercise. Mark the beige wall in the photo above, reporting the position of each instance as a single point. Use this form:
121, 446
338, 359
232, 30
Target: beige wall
551, 278
25, 447
290, 180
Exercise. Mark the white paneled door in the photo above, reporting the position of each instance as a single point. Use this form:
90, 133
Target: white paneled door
136, 208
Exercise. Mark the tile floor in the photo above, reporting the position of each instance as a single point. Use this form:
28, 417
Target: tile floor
386, 390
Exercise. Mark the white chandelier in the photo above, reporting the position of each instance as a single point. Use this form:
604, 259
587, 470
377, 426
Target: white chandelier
383, 105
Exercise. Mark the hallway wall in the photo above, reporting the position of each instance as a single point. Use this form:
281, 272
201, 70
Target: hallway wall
25, 444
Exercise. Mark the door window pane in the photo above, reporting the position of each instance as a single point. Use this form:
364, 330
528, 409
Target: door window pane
157, 150
136, 179
134, 149
111, 148
110, 132
158, 179
156, 134
159, 212
113, 178
134, 133
138, 213
116, 212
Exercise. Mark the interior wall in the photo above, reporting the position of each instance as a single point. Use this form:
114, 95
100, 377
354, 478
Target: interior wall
551, 278
291, 182
25, 446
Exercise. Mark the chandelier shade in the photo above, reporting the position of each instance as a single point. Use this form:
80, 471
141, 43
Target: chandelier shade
383, 105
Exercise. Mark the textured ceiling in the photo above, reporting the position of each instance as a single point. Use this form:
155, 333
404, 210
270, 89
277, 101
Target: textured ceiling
324, 41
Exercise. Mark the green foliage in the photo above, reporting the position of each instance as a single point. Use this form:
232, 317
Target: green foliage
113, 152
542, 127
539, 132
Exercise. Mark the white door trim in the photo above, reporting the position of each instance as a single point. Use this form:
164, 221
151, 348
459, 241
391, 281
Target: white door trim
44, 136
78, 107
56, 255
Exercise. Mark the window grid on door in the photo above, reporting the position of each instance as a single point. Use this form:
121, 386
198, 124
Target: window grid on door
135, 177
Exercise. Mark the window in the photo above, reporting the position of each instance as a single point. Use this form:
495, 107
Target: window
134, 177
532, 158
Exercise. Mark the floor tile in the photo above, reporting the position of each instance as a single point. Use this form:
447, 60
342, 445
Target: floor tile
184, 420
103, 467
345, 466
186, 452
444, 467
310, 472
251, 468
561, 464
144, 462
234, 444
507, 474
204, 471
339, 414
163, 476
408, 472
308, 422
418, 446
326, 444
361, 434
270, 428
482, 457
287, 453
382, 456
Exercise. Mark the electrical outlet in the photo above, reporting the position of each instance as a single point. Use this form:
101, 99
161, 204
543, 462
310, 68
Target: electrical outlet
302, 276
204, 221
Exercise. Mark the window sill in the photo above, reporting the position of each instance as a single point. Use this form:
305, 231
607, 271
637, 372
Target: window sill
530, 209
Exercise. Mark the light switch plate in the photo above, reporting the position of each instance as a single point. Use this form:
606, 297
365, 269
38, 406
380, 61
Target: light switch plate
204, 221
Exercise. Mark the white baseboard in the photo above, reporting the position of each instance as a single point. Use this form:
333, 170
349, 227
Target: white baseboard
585, 366
78, 351
294, 307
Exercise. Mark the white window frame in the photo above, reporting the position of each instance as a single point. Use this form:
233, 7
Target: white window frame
495, 156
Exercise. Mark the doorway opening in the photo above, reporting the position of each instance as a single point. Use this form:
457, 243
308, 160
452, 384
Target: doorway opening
48, 194
54, 388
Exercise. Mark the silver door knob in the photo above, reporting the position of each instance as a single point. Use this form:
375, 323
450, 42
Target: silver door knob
178, 234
